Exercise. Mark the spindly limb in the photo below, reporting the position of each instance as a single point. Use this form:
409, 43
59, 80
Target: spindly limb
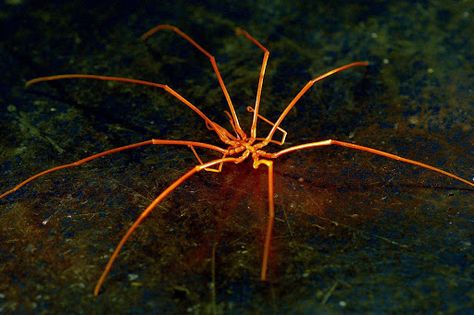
231, 121
306, 88
119, 149
370, 150
266, 55
221, 131
209, 169
173, 28
283, 138
271, 217
148, 210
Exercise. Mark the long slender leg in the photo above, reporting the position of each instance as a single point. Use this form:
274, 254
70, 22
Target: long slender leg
266, 55
173, 28
148, 210
366, 149
271, 218
306, 88
223, 134
119, 149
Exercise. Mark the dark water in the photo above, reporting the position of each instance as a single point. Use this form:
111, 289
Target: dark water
353, 233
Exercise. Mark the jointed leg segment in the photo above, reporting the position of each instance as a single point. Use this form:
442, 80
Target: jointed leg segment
271, 218
148, 210
369, 150
209, 169
221, 131
266, 55
116, 150
306, 88
238, 129
283, 138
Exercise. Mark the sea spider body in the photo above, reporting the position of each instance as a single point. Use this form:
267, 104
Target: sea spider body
240, 146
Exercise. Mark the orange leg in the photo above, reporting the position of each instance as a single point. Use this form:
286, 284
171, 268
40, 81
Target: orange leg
218, 169
271, 218
283, 137
305, 89
221, 131
149, 209
212, 59
266, 55
366, 149
119, 149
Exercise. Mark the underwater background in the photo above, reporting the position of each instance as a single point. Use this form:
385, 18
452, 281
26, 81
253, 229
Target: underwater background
353, 233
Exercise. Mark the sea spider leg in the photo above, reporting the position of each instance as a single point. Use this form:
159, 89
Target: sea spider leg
271, 217
369, 150
283, 131
320, 144
119, 149
305, 89
223, 134
149, 209
266, 55
212, 59
230, 119
215, 170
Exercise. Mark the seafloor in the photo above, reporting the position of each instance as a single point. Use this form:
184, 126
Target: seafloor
354, 233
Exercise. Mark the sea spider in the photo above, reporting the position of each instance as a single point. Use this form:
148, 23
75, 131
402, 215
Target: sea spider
238, 145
